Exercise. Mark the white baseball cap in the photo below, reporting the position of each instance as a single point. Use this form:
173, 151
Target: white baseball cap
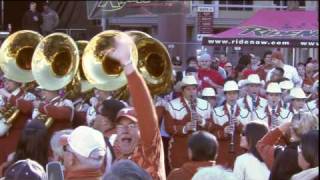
204, 56
230, 86
254, 79
297, 93
188, 81
208, 92
273, 87
286, 85
84, 140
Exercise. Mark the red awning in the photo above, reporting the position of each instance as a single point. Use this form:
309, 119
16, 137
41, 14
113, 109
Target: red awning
271, 28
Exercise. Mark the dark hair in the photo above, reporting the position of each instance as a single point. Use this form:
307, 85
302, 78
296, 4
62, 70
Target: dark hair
33, 143
126, 169
280, 70
254, 131
310, 147
268, 52
191, 69
300, 64
110, 108
192, 58
203, 145
308, 60
245, 60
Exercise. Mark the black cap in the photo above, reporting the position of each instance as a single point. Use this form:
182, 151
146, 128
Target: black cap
25, 169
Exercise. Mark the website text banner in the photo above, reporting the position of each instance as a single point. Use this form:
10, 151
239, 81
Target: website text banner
213, 41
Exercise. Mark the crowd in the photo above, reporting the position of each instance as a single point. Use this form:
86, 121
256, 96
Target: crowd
255, 121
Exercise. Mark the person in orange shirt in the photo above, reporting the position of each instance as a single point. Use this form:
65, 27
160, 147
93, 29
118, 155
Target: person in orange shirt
138, 134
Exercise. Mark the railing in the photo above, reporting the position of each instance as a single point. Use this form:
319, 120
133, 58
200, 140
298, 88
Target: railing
73, 32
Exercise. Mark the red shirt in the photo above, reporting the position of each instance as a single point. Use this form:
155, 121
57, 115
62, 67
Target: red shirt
247, 72
212, 74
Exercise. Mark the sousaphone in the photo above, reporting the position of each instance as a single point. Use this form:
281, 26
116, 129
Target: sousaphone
55, 61
100, 69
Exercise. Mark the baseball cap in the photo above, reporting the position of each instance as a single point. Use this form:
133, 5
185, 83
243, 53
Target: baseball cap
127, 112
26, 169
84, 140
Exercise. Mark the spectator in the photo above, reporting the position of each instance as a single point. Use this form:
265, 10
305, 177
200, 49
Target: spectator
301, 70
309, 78
137, 129
214, 173
229, 71
56, 147
283, 160
50, 20
126, 169
285, 86
245, 64
215, 66
202, 148
313, 104
223, 60
250, 166
192, 62
290, 72
84, 153
32, 19
277, 75
265, 65
25, 169
33, 143
255, 61
106, 115
308, 156
208, 77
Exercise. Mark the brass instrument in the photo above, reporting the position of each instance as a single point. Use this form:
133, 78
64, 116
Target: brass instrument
54, 65
233, 127
148, 54
15, 61
16, 55
101, 70
154, 62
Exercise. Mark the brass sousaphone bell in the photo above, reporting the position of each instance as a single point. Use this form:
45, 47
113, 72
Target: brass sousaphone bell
15, 61
101, 70
55, 63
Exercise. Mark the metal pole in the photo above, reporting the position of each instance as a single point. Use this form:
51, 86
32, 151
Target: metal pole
293, 56
2, 14
104, 20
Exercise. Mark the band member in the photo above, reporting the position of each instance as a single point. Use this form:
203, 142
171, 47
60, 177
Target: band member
230, 118
81, 106
274, 113
95, 102
52, 105
209, 94
185, 115
13, 96
298, 101
253, 100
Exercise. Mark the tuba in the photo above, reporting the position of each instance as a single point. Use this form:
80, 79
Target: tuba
15, 61
154, 62
54, 64
101, 70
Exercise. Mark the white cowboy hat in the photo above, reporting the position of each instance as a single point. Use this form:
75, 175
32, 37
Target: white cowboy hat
286, 85
230, 86
208, 92
273, 87
297, 93
254, 79
188, 81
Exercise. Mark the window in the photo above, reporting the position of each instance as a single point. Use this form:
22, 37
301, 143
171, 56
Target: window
235, 5
302, 3
207, 2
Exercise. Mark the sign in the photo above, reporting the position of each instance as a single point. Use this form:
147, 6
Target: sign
204, 21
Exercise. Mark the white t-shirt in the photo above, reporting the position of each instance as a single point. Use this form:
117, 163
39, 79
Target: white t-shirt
290, 72
248, 167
